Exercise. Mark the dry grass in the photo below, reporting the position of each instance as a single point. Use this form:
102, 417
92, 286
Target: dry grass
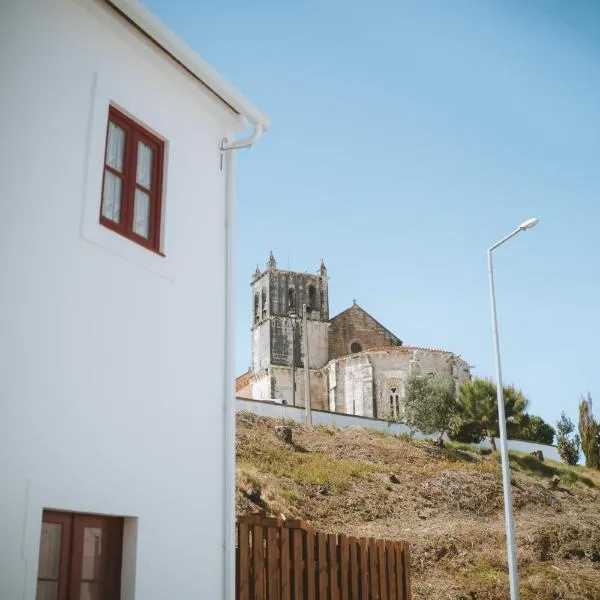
447, 504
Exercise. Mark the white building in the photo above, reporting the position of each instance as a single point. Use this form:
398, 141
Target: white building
116, 483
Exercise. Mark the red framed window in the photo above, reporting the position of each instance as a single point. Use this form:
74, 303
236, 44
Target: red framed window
80, 557
132, 182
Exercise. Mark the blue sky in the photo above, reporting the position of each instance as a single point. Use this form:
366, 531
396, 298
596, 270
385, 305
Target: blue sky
407, 138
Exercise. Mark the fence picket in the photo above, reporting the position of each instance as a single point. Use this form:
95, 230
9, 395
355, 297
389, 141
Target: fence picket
391, 571
344, 567
364, 569
244, 562
373, 570
333, 567
258, 563
284, 553
354, 589
310, 566
297, 569
399, 570
323, 562
273, 571
382, 569
406, 565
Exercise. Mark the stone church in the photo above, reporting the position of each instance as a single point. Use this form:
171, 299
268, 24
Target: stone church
357, 366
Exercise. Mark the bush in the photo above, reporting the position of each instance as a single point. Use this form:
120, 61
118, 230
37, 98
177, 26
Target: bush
531, 428
568, 447
468, 433
589, 433
478, 409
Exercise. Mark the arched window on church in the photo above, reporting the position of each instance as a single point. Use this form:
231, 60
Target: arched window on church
312, 296
394, 407
394, 402
264, 303
291, 299
256, 309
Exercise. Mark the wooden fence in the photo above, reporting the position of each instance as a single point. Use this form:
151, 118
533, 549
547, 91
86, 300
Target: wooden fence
288, 560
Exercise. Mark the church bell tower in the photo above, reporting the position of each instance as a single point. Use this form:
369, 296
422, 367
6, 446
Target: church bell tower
278, 297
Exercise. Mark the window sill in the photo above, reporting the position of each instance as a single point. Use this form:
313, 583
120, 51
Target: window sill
137, 240
154, 261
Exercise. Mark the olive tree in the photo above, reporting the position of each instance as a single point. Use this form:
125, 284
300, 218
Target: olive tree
430, 404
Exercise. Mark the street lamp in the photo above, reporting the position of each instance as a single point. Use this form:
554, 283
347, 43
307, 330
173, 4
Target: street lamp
307, 401
293, 316
510, 534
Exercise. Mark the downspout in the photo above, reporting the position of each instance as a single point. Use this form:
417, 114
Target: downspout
229, 383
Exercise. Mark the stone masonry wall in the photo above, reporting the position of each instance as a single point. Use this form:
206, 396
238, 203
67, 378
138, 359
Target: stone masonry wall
281, 387
356, 325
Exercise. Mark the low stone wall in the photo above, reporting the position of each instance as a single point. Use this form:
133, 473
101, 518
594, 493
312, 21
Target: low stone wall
320, 417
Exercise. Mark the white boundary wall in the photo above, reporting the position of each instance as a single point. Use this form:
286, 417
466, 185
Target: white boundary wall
319, 417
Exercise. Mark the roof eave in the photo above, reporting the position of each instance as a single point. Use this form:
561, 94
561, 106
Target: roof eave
156, 30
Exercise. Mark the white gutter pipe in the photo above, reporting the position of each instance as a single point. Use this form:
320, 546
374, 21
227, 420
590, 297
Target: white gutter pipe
246, 142
229, 383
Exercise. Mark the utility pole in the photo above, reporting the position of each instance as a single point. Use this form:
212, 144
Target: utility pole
293, 319
307, 406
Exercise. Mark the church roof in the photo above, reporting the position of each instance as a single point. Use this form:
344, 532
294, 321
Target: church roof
426, 348
355, 306
242, 380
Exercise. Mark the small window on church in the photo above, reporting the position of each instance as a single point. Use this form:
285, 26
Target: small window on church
264, 303
312, 296
355, 347
256, 309
394, 402
291, 298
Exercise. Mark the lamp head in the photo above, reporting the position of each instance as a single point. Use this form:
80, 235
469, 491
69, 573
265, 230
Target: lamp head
528, 224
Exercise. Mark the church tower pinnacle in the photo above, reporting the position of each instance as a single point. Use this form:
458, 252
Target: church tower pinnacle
323, 269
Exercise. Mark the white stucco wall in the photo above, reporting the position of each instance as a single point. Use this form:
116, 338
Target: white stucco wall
112, 356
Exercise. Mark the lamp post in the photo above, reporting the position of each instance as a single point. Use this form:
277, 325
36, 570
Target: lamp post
307, 402
293, 317
508, 516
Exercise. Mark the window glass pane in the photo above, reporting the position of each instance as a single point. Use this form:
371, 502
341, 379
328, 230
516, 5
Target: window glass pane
47, 590
141, 214
115, 147
91, 561
91, 591
144, 165
111, 198
49, 561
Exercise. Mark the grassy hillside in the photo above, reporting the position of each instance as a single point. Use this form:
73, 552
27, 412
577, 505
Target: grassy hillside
447, 503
